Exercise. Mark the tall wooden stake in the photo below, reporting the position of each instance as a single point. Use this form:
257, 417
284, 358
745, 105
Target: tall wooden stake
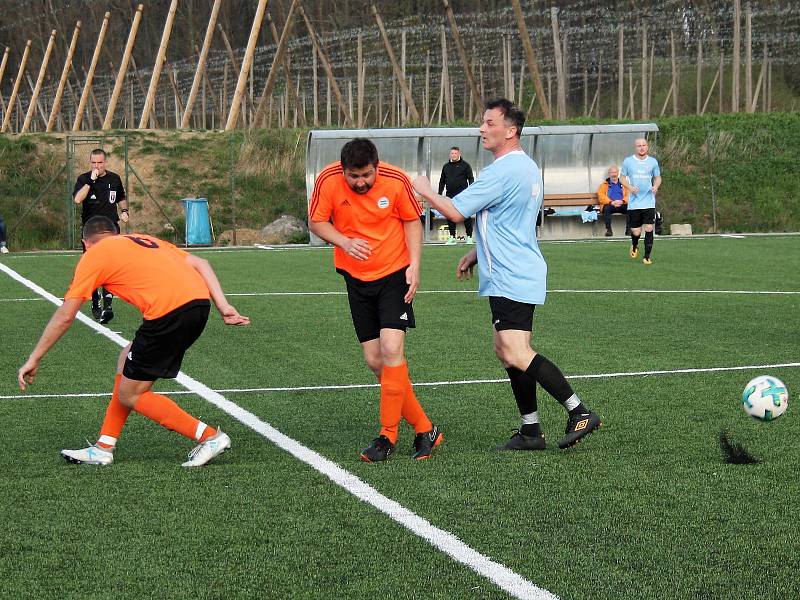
462, 54
533, 66
87, 86
160, 58
246, 62
201, 64
398, 73
54, 112
326, 65
561, 92
737, 43
645, 109
748, 50
38, 87
620, 73
123, 68
273, 71
15, 89
674, 74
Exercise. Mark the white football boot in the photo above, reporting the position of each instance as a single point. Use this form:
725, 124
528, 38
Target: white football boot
93, 455
211, 448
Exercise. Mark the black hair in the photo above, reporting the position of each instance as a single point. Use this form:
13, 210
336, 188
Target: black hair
513, 115
456, 148
359, 153
97, 152
98, 225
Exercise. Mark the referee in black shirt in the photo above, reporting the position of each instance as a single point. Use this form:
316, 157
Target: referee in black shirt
456, 177
100, 192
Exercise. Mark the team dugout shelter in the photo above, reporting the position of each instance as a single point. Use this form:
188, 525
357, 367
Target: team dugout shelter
574, 160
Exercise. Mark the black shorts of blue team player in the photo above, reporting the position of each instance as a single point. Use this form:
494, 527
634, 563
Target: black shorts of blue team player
159, 344
379, 304
642, 216
510, 314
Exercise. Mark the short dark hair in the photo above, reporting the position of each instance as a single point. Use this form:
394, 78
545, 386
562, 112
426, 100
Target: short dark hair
510, 112
98, 152
455, 148
359, 153
96, 226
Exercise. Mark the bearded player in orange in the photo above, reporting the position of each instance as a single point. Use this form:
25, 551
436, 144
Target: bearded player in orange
368, 211
172, 289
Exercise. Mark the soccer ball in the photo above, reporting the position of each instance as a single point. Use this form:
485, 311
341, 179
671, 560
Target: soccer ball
765, 398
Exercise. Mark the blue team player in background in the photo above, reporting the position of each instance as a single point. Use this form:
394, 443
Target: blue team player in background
506, 198
642, 177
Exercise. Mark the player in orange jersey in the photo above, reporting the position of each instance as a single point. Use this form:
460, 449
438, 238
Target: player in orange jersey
368, 211
172, 289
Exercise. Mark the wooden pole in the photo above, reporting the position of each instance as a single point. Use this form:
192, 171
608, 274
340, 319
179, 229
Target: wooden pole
710, 91
38, 87
15, 89
599, 84
721, 74
123, 68
292, 96
315, 67
620, 73
699, 86
533, 65
645, 109
36, 102
462, 54
674, 74
328, 70
54, 112
426, 105
201, 64
2, 72
398, 73
748, 50
87, 86
631, 92
160, 58
561, 94
247, 97
208, 88
142, 89
246, 62
761, 79
360, 82
273, 71
737, 43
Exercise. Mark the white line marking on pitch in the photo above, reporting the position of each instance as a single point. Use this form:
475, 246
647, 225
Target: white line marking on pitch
353, 386
499, 574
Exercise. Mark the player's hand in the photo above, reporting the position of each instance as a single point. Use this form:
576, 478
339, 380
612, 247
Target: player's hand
124, 217
616, 203
27, 373
412, 279
95, 174
231, 316
357, 248
635, 189
422, 185
466, 265
654, 189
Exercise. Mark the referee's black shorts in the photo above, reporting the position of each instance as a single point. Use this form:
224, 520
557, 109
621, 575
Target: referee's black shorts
379, 304
159, 344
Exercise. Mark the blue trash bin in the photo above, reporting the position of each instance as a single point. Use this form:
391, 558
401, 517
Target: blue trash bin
198, 225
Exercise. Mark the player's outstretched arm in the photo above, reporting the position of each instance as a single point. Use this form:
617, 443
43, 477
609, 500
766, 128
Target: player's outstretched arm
58, 325
443, 204
229, 314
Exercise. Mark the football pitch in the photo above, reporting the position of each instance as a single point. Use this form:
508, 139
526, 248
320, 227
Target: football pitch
644, 508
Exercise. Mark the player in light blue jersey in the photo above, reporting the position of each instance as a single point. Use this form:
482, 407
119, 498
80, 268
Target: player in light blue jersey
642, 177
506, 198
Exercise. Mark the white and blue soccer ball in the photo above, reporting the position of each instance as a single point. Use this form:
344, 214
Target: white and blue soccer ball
765, 398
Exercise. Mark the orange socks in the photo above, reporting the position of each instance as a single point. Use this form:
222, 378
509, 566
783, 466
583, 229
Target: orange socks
398, 400
166, 413
116, 415
412, 409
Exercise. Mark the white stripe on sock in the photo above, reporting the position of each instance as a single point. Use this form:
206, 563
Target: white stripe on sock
201, 427
107, 440
571, 402
530, 418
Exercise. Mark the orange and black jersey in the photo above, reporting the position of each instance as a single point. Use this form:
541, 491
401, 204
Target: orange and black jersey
376, 216
148, 273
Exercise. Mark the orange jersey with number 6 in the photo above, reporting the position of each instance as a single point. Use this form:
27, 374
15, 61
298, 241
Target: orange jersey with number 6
147, 272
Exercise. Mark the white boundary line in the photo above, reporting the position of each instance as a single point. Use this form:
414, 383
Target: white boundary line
471, 291
509, 581
354, 386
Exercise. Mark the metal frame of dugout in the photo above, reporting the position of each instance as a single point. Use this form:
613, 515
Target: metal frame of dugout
574, 160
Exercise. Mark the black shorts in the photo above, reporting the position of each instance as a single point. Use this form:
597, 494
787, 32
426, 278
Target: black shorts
642, 216
159, 344
379, 304
510, 314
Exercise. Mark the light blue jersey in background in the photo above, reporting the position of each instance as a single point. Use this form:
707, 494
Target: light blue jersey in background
640, 174
506, 198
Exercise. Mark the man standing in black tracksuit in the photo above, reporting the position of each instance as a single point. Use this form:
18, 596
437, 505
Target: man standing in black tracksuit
99, 192
456, 177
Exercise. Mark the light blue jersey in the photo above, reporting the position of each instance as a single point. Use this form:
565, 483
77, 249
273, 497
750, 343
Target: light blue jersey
506, 198
640, 174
